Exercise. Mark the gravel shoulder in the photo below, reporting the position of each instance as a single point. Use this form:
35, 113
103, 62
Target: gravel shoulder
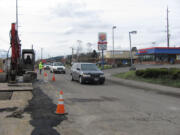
13, 120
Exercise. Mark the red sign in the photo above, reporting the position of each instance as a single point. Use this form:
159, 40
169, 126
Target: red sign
44, 61
142, 51
102, 42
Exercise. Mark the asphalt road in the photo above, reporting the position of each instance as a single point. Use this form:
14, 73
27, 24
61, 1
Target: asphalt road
107, 109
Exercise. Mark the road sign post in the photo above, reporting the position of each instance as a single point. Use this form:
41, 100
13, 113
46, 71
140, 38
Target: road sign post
102, 59
102, 45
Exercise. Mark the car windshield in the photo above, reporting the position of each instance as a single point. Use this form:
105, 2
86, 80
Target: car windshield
58, 64
48, 64
89, 67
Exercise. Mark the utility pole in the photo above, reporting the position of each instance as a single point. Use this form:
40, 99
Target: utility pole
78, 49
72, 54
168, 35
41, 53
17, 15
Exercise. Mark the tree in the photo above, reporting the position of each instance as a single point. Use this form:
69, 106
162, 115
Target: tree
89, 47
134, 49
79, 49
94, 54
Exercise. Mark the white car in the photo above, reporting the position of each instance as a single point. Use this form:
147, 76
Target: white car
57, 67
47, 66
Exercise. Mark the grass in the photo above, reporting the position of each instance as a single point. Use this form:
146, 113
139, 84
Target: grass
131, 75
105, 67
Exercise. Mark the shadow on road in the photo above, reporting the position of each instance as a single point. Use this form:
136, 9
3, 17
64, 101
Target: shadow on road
42, 111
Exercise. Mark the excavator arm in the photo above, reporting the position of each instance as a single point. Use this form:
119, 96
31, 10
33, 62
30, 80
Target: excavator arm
16, 53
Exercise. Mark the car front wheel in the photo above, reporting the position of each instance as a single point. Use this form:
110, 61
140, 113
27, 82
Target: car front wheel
102, 82
81, 80
72, 79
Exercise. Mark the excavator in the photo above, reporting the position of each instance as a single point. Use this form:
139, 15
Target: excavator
21, 62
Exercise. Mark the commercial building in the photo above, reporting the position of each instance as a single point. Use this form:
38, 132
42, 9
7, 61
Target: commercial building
120, 57
159, 55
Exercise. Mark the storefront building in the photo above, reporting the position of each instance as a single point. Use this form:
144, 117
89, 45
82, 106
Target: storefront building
159, 55
119, 57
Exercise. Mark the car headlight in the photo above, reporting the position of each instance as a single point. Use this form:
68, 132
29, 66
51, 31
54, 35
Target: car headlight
102, 75
86, 75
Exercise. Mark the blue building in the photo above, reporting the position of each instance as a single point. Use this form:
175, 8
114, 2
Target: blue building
159, 55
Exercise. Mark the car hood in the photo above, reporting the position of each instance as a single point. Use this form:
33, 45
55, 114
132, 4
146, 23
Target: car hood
93, 72
59, 66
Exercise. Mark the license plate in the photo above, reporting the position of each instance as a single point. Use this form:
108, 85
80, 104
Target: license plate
96, 79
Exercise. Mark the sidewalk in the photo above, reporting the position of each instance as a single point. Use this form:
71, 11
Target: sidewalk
160, 89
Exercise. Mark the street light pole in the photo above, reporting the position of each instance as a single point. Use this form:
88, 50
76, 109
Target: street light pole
130, 47
114, 27
132, 32
41, 54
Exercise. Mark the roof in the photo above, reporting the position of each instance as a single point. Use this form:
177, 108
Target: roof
159, 50
83, 63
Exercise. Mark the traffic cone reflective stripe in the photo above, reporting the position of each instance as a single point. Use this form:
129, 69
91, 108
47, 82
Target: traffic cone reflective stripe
60, 107
60, 99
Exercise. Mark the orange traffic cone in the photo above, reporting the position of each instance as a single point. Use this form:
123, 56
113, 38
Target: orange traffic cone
53, 78
60, 107
45, 77
1, 70
45, 74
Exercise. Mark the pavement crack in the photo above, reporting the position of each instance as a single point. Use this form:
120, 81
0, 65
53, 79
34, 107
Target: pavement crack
8, 109
16, 114
86, 100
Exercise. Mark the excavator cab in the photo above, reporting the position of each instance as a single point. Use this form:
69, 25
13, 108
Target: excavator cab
28, 60
28, 65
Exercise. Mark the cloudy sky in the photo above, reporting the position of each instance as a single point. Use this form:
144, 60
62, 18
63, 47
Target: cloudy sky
56, 25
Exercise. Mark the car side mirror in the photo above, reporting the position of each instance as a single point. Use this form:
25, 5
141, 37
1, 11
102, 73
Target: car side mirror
78, 68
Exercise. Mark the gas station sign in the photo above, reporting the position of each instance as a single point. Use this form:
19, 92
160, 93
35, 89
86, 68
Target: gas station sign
102, 41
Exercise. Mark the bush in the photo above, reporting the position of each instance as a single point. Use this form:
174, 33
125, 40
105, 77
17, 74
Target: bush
164, 71
148, 73
140, 72
152, 72
174, 73
107, 66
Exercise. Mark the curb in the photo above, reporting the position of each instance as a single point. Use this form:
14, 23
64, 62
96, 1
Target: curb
159, 89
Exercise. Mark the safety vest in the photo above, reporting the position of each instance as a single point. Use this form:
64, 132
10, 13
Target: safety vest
40, 65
